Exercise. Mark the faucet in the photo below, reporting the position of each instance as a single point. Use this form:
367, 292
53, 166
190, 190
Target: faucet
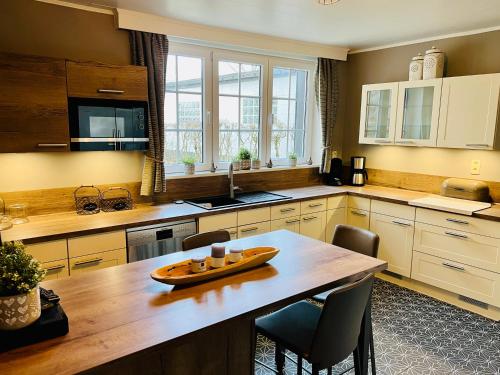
232, 188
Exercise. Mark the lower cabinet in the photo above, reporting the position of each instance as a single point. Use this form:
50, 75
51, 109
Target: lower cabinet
56, 269
233, 232
254, 229
97, 261
396, 242
313, 225
358, 218
53, 257
333, 218
290, 223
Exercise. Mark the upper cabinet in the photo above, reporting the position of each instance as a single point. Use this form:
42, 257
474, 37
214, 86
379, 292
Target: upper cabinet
92, 80
33, 104
378, 113
469, 111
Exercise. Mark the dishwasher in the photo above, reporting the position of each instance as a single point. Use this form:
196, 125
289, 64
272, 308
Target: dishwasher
156, 240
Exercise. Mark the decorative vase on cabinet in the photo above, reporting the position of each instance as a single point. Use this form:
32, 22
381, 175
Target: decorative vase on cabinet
433, 63
416, 68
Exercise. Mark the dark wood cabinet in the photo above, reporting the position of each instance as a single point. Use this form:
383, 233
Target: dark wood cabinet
33, 104
92, 80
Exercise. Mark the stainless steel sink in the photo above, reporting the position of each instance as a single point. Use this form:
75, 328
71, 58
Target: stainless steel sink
223, 201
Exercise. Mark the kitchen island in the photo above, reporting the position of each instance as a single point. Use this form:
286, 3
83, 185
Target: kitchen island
121, 321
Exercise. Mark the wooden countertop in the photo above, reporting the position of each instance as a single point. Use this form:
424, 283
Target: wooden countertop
116, 312
69, 224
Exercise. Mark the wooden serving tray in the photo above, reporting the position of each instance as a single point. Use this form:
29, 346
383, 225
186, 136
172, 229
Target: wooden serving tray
181, 274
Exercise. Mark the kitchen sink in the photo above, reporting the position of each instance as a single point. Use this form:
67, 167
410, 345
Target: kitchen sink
224, 201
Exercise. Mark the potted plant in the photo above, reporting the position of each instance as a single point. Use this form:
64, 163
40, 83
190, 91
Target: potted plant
292, 159
188, 164
244, 156
236, 163
19, 291
255, 163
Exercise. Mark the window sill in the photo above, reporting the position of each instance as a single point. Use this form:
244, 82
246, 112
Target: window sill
223, 172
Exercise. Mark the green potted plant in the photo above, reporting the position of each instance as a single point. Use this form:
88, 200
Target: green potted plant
20, 274
236, 163
292, 159
244, 156
255, 163
188, 162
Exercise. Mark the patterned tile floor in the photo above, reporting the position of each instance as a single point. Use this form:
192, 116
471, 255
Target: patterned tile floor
414, 335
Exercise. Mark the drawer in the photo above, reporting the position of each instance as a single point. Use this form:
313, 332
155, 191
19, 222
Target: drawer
285, 210
455, 277
358, 202
56, 269
358, 218
233, 232
48, 251
290, 223
254, 229
393, 209
337, 202
314, 205
459, 222
256, 215
468, 248
96, 243
97, 261
216, 222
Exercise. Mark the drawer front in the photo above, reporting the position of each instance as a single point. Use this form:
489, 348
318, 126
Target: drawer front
233, 232
256, 215
313, 225
56, 270
468, 248
333, 218
216, 222
468, 281
358, 218
95, 243
290, 223
97, 261
459, 222
314, 205
285, 210
358, 202
254, 229
337, 202
393, 209
48, 251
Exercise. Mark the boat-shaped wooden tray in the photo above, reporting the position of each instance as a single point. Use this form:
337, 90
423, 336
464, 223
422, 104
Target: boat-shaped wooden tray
181, 274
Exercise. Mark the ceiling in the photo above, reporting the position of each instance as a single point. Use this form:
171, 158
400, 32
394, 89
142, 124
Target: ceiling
356, 24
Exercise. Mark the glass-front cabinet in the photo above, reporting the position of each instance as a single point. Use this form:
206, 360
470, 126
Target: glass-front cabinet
418, 113
378, 113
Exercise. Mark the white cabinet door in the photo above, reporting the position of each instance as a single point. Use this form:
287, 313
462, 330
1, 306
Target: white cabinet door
333, 218
358, 218
378, 113
396, 242
290, 223
418, 113
313, 225
468, 115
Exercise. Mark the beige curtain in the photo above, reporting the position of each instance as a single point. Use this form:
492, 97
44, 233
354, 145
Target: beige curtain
327, 99
151, 50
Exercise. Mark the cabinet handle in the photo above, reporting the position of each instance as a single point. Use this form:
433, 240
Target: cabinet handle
457, 221
453, 266
292, 221
312, 205
456, 235
110, 91
53, 268
401, 223
93, 260
283, 210
405, 142
358, 213
382, 141
249, 229
310, 218
52, 145
477, 145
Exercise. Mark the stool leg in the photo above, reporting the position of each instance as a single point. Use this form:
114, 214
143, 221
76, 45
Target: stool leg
315, 370
357, 362
372, 354
299, 365
279, 358
330, 370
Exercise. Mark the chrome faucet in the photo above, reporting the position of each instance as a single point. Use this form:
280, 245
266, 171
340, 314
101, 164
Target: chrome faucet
232, 188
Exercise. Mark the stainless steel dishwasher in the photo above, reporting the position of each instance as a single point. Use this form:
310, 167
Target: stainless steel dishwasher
155, 240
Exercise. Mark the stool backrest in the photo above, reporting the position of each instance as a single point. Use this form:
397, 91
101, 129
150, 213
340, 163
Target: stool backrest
356, 239
205, 239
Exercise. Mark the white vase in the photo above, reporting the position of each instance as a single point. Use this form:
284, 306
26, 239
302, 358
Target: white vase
416, 68
236, 165
245, 164
189, 169
255, 164
20, 310
433, 63
292, 162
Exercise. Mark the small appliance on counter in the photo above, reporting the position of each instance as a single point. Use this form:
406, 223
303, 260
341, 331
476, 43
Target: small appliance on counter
334, 178
359, 176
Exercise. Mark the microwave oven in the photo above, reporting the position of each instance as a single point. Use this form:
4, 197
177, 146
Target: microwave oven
108, 125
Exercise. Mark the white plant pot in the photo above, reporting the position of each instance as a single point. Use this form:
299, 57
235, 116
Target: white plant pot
255, 164
189, 168
236, 165
292, 162
245, 164
20, 310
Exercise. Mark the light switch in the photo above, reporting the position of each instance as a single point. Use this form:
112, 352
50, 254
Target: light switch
475, 167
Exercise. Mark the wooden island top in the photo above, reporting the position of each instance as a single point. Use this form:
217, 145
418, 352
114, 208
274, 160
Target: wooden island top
120, 313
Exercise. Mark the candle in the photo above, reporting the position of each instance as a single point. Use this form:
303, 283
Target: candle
235, 255
218, 250
198, 265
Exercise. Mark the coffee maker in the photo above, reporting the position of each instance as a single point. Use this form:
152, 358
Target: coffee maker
359, 176
334, 177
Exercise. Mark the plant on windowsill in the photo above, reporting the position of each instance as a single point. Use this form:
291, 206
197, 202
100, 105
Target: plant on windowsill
236, 163
292, 159
244, 156
20, 274
188, 162
255, 163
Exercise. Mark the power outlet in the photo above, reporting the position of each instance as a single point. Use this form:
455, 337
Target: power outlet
475, 167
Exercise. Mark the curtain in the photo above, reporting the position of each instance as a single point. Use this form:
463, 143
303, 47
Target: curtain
150, 50
327, 99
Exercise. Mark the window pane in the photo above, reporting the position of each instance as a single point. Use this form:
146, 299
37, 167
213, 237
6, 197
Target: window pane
281, 79
228, 78
250, 80
170, 111
250, 113
278, 144
189, 74
171, 146
171, 66
299, 84
250, 141
228, 112
296, 142
280, 114
190, 144
189, 115
228, 145
291, 118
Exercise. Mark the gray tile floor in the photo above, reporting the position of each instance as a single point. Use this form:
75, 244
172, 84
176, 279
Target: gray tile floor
416, 334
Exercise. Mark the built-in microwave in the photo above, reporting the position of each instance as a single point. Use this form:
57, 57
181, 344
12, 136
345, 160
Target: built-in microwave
107, 125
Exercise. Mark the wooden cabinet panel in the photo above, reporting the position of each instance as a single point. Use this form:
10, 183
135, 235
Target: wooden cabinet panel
313, 225
216, 222
290, 223
358, 203
285, 210
358, 218
393, 209
33, 104
333, 218
91, 80
56, 269
97, 261
313, 205
255, 215
48, 251
254, 229
337, 202
95, 243
396, 242
233, 232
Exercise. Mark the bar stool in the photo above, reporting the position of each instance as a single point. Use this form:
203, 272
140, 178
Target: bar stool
205, 239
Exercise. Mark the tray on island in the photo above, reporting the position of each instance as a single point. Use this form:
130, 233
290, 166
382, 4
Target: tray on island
181, 274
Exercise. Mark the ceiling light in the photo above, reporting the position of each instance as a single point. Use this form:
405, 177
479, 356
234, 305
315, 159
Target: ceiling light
328, 2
